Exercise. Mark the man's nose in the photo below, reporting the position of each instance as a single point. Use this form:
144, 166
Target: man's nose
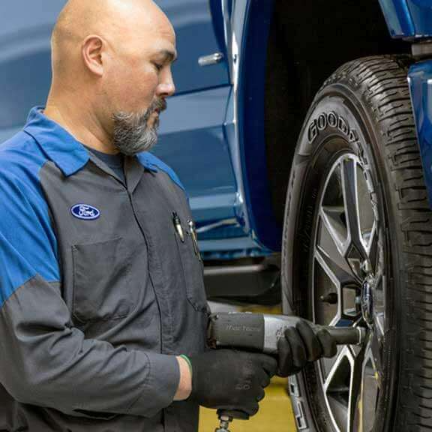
167, 87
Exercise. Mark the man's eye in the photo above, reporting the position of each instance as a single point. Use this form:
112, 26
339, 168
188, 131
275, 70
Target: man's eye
158, 66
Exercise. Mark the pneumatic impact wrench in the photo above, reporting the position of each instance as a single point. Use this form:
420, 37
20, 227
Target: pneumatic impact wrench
261, 333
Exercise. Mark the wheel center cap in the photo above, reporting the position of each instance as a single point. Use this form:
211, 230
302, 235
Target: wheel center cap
367, 301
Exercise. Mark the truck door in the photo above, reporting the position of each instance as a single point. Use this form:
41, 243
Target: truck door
193, 139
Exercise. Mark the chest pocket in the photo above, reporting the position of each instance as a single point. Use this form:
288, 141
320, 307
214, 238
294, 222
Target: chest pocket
101, 281
192, 265
193, 270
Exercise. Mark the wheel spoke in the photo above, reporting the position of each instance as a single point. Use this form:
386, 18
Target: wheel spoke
328, 364
376, 351
349, 184
337, 232
337, 387
355, 250
332, 212
368, 392
372, 246
355, 391
367, 212
379, 306
338, 275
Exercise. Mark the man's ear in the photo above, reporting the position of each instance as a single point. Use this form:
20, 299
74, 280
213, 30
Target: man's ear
92, 50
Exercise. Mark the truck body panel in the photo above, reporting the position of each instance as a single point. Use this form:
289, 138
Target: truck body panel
408, 19
420, 80
213, 134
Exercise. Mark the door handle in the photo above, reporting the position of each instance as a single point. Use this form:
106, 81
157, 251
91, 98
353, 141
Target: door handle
211, 59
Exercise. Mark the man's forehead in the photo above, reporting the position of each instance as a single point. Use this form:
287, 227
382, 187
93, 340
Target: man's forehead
161, 37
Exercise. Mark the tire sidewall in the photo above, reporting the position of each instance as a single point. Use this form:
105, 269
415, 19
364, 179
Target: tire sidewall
337, 115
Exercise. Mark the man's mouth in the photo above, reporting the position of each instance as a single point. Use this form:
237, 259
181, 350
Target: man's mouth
160, 106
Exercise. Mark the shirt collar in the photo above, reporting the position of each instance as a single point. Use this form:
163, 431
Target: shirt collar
60, 146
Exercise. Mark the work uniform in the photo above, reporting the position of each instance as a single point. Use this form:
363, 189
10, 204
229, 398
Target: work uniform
101, 285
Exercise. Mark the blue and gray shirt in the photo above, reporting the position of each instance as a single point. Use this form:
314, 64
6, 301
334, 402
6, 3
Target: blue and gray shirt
98, 291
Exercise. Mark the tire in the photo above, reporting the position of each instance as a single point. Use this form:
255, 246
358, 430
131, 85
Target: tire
357, 251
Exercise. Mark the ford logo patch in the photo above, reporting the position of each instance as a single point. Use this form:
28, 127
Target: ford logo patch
84, 211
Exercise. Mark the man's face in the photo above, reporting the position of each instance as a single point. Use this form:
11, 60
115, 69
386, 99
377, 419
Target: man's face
138, 81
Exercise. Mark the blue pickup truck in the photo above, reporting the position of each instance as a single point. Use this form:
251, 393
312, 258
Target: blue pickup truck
302, 131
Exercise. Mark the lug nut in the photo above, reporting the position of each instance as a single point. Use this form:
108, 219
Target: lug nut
330, 298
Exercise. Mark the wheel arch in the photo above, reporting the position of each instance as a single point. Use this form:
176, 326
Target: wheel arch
252, 20
287, 51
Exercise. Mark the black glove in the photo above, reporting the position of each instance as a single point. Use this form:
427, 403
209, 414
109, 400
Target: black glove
231, 380
302, 345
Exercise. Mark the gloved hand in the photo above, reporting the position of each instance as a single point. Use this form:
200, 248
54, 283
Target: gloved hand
231, 380
302, 345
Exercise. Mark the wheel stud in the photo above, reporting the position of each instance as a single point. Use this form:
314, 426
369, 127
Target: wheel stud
366, 266
330, 298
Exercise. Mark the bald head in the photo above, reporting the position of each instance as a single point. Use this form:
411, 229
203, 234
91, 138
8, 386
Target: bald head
119, 23
113, 58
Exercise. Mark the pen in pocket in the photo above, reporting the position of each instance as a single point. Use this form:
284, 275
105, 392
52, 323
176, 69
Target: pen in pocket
178, 226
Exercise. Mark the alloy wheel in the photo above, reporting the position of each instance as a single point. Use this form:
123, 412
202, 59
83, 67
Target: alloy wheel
348, 289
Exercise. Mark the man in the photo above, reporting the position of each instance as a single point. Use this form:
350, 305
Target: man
102, 306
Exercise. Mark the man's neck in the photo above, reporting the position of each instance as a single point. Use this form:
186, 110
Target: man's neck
82, 125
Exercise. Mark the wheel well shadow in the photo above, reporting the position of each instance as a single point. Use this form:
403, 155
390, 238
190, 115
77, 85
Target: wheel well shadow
308, 41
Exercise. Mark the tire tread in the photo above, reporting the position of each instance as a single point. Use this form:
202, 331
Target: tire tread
380, 83
389, 100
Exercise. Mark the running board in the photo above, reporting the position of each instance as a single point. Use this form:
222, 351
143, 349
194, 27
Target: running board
257, 283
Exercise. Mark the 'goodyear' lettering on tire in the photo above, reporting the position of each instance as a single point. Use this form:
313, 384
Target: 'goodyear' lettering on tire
334, 121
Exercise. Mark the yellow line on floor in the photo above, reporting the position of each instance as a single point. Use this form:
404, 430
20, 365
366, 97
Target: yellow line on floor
275, 414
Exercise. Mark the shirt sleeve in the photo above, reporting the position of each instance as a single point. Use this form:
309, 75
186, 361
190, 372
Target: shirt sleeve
44, 359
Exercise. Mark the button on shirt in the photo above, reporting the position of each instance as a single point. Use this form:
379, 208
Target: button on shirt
98, 293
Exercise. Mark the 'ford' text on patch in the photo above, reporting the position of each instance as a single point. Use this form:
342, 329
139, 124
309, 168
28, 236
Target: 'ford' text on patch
84, 211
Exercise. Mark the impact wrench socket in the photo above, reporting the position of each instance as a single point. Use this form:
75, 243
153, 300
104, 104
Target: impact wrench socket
261, 333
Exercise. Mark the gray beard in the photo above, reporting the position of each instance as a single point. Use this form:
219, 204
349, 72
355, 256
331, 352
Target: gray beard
132, 134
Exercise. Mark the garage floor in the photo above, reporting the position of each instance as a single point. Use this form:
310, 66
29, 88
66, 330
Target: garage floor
275, 414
